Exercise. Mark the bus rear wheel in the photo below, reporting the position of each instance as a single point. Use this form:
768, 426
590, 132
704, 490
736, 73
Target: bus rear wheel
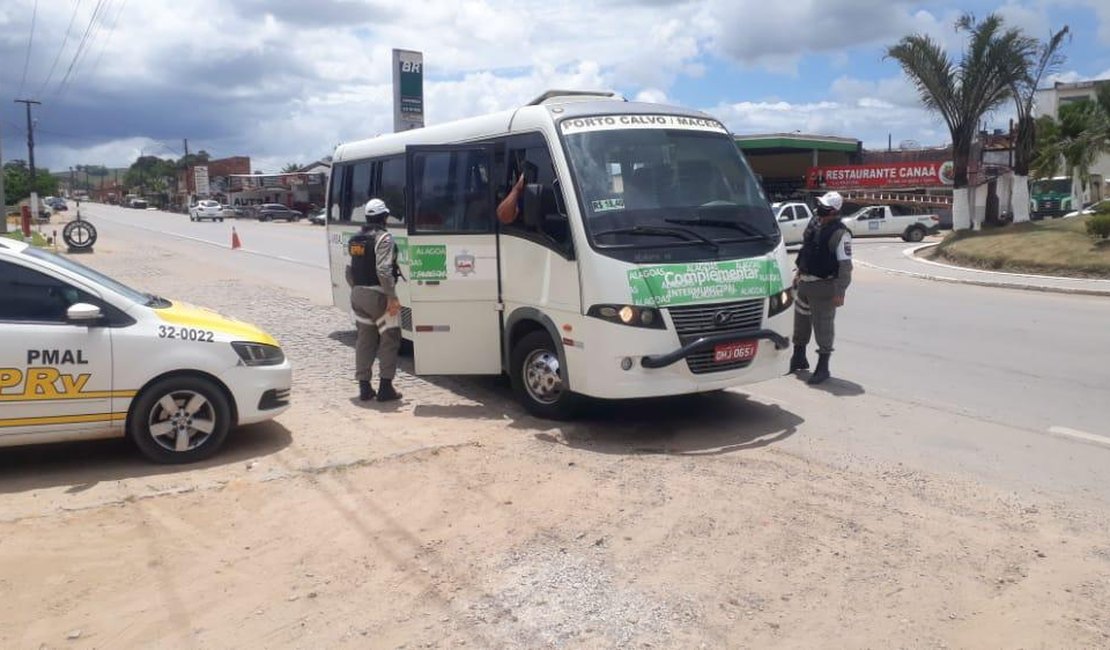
537, 378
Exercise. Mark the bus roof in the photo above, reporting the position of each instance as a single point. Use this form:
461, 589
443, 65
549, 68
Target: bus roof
557, 104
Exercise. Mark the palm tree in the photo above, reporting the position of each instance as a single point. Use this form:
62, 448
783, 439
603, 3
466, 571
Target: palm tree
290, 168
964, 92
1024, 89
1076, 139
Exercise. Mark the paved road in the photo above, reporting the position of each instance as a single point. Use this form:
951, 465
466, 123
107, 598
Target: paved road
1006, 386
293, 255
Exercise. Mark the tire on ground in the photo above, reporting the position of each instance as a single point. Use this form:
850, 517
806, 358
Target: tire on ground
914, 234
538, 348
149, 408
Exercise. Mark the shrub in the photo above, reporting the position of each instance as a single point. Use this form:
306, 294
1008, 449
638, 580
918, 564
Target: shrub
1098, 225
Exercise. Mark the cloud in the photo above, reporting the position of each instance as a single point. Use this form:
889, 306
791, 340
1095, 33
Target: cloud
284, 80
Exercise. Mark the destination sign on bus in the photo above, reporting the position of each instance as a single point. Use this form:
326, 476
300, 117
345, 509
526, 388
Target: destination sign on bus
571, 126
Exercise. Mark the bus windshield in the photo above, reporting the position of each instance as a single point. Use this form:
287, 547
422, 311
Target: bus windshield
1055, 186
664, 186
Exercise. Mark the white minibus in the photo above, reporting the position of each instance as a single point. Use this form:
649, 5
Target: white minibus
644, 259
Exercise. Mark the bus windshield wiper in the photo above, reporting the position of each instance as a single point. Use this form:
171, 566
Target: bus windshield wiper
722, 223
661, 231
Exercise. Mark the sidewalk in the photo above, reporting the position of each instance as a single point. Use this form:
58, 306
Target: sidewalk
899, 258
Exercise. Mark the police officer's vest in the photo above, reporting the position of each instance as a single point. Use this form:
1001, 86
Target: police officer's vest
816, 257
364, 263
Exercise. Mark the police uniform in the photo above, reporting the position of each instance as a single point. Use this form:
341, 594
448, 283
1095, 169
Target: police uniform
373, 275
824, 272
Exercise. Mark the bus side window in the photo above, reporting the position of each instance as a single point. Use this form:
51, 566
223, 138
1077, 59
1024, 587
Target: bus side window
359, 191
337, 199
391, 188
530, 152
451, 192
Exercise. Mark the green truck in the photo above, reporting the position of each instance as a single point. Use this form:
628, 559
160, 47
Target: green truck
1051, 197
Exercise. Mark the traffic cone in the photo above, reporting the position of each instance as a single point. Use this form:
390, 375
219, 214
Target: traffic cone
235, 243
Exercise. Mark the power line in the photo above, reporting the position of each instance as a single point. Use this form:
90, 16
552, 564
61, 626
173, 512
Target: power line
65, 41
30, 41
108, 39
80, 47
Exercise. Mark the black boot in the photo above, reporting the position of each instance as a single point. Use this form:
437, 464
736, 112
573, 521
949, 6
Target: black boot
365, 392
798, 361
822, 372
386, 393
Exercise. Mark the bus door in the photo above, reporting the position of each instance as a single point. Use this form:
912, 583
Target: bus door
453, 261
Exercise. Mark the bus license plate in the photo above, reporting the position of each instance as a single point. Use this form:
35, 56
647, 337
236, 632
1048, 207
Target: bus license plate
739, 351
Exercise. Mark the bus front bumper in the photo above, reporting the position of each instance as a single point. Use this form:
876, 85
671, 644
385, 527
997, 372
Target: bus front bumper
709, 342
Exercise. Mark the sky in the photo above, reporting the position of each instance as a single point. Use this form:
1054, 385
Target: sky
285, 81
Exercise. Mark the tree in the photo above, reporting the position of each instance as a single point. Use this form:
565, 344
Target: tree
1076, 139
199, 158
17, 181
962, 93
150, 174
1048, 58
290, 168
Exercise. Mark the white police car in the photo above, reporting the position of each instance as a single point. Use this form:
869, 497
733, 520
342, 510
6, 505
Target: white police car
83, 356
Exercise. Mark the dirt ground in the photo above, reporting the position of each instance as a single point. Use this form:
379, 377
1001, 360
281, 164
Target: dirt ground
454, 520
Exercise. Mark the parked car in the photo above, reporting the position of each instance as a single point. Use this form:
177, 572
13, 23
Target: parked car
206, 209
793, 219
58, 204
272, 211
319, 218
138, 204
881, 221
85, 357
229, 212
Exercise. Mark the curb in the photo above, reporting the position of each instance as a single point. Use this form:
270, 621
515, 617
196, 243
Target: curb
910, 253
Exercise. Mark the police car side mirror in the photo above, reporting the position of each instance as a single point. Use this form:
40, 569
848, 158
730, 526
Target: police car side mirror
83, 313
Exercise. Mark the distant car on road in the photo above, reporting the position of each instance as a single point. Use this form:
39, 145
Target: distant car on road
206, 209
793, 219
319, 218
138, 204
882, 221
273, 211
58, 205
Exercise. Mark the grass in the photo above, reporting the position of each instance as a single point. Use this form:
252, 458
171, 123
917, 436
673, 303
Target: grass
36, 239
1056, 247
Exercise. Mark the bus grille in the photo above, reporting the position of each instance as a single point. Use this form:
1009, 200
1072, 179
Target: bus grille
701, 320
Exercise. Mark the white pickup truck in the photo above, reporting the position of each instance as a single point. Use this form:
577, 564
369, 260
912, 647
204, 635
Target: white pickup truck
793, 219
882, 221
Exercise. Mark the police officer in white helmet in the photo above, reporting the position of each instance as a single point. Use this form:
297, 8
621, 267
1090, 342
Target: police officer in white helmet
821, 280
373, 275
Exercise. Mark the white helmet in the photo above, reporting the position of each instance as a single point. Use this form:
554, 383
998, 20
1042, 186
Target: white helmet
375, 208
831, 200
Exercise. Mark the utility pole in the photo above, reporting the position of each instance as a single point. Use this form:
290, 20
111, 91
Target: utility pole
31, 153
3, 199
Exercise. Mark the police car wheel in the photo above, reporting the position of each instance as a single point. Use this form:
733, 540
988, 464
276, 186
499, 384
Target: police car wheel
538, 379
180, 420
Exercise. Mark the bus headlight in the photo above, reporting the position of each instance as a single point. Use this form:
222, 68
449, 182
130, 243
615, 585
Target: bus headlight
780, 302
648, 317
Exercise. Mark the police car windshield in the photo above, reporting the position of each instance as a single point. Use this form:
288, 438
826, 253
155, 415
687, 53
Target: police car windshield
95, 277
663, 171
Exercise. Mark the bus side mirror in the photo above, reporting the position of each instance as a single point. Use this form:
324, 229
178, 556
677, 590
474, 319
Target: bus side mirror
533, 205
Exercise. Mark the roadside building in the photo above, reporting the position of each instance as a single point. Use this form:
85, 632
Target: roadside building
211, 179
782, 160
1048, 102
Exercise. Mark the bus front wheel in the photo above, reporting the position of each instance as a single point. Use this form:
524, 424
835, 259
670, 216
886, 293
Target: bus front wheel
537, 378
